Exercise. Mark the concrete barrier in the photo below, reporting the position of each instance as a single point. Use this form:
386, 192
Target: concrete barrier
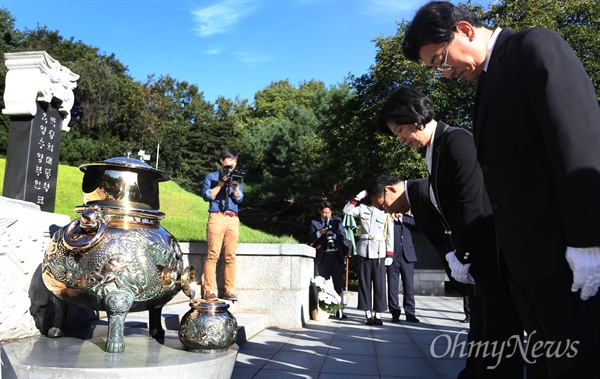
271, 278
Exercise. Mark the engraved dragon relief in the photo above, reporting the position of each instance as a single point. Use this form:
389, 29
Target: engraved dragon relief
140, 266
208, 331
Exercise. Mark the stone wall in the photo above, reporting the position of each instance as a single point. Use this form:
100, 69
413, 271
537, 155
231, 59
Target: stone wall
272, 279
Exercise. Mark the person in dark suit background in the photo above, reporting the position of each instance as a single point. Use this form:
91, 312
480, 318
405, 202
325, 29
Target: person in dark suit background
457, 193
537, 133
326, 235
402, 268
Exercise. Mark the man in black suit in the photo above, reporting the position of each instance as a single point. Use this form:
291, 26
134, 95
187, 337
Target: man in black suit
402, 268
537, 133
326, 235
454, 210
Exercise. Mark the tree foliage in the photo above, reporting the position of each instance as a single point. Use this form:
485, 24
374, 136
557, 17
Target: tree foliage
299, 143
9, 40
577, 21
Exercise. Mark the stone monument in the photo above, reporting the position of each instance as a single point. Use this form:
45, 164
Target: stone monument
38, 98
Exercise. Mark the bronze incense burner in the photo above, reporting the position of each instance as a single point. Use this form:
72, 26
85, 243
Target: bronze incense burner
115, 257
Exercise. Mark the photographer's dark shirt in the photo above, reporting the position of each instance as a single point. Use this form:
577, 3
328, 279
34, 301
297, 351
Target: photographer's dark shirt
218, 203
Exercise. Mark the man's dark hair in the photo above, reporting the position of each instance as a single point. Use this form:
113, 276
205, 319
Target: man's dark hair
376, 186
325, 204
228, 153
434, 22
405, 105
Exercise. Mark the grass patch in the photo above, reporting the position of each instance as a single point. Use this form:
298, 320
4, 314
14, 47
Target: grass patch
186, 213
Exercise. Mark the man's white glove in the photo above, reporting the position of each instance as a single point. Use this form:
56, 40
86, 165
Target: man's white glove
585, 264
361, 195
389, 261
460, 272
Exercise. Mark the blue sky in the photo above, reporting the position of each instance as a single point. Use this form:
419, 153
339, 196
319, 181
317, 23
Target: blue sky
228, 47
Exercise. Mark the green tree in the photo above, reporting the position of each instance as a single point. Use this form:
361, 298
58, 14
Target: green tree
577, 21
9, 40
107, 115
190, 132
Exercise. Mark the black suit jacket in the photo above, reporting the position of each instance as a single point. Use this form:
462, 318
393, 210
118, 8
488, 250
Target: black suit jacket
464, 221
403, 242
320, 243
537, 132
427, 219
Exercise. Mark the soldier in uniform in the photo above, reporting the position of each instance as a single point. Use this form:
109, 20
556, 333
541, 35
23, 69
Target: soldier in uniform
375, 251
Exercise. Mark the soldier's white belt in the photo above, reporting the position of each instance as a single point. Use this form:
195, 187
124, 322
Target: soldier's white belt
370, 237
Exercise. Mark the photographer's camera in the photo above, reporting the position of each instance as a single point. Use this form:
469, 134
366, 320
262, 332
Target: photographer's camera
231, 176
330, 236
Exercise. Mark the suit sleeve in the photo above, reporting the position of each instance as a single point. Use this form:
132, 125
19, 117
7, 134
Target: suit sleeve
312, 234
409, 226
469, 186
389, 237
426, 218
407, 220
566, 107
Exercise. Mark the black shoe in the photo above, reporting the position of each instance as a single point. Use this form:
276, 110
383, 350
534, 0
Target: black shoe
411, 318
230, 296
465, 321
369, 321
210, 296
377, 321
395, 318
341, 315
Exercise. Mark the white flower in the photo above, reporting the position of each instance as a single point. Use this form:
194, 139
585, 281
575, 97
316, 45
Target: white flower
327, 299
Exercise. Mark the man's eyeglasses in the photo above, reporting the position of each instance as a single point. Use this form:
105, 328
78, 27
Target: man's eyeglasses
444, 66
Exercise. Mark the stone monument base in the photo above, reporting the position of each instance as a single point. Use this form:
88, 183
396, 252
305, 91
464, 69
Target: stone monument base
81, 354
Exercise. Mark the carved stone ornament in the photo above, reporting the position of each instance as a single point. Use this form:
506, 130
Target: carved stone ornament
35, 76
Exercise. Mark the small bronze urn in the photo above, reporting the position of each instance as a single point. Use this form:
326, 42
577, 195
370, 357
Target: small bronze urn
116, 257
208, 327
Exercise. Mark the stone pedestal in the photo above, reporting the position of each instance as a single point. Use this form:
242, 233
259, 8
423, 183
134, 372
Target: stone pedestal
80, 354
24, 236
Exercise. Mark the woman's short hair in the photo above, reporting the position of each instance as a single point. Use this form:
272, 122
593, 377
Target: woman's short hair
405, 105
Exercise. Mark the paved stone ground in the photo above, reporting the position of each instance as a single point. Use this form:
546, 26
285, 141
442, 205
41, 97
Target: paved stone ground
349, 349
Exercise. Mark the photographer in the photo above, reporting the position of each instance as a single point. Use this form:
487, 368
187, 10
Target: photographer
224, 191
327, 234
